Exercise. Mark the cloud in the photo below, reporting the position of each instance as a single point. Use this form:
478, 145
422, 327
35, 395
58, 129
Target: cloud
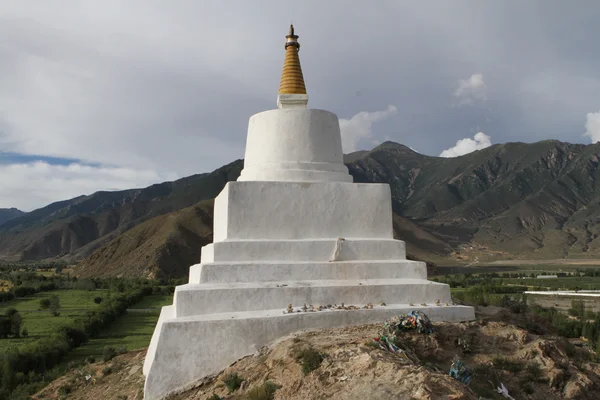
36, 184
144, 85
468, 145
359, 127
592, 126
471, 90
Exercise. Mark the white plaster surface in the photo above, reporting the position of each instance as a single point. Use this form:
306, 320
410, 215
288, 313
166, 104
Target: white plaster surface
166, 313
205, 298
275, 231
274, 271
292, 210
195, 347
292, 100
294, 144
303, 250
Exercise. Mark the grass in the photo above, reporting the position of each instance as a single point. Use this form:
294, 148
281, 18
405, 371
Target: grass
309, 358
583, 282
266, 391
233, 382
154, 301
133, 330
41, 323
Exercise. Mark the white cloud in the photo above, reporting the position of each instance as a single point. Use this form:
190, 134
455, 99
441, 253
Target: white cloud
468, 145
471, 90
592, 126
34, 185
359, 127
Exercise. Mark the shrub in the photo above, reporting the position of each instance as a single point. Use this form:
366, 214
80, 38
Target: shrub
310, 359
44, 304
64, 390
109, 353
97, 299
233, 382
90, 360
215, 397
25, 332
266, 391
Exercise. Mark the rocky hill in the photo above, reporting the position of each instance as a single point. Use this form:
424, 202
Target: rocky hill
8, 214
344, 364
538, 200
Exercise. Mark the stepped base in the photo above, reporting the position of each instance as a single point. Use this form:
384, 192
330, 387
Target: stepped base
186, 349
210, 298
271, 271
303, 250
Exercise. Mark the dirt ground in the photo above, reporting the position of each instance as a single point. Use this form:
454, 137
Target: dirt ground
497, 351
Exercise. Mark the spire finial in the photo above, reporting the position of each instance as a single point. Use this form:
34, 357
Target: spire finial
292, 90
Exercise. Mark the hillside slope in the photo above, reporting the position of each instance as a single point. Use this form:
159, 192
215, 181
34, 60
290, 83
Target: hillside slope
529, 366
163, 247
532, 200
9, 213
74, 228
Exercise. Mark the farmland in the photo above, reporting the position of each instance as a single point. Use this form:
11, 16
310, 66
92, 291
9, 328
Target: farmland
40, 323
132, 330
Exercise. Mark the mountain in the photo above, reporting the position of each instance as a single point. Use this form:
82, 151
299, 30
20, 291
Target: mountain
73, 229
8, 214
162, 247
532, 200
519, 200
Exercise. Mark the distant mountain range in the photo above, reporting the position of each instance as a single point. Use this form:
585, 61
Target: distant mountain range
9, 213
514, 200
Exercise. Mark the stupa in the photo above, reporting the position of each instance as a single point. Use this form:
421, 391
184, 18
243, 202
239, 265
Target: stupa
292, 233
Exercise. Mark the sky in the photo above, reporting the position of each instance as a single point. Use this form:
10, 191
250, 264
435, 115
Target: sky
109, 95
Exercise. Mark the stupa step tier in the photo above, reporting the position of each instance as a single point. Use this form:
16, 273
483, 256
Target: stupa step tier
198, 299
303, 250
308, 270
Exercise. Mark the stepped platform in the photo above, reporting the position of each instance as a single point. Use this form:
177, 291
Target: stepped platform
178, 363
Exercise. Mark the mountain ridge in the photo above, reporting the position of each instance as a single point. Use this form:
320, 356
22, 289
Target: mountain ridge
514, 199
6, 214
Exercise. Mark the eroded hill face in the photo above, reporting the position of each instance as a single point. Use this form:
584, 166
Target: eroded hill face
529, 366
163, 247
538, 200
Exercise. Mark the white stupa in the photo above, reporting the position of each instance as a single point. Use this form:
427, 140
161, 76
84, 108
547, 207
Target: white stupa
293, 229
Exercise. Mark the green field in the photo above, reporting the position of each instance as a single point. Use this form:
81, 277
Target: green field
567, 283
41, 323
154, 301
133, 330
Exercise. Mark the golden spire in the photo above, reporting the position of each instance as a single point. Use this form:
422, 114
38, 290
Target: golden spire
292, 81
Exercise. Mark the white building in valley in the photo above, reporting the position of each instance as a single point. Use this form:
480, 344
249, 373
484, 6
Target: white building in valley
292, 233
